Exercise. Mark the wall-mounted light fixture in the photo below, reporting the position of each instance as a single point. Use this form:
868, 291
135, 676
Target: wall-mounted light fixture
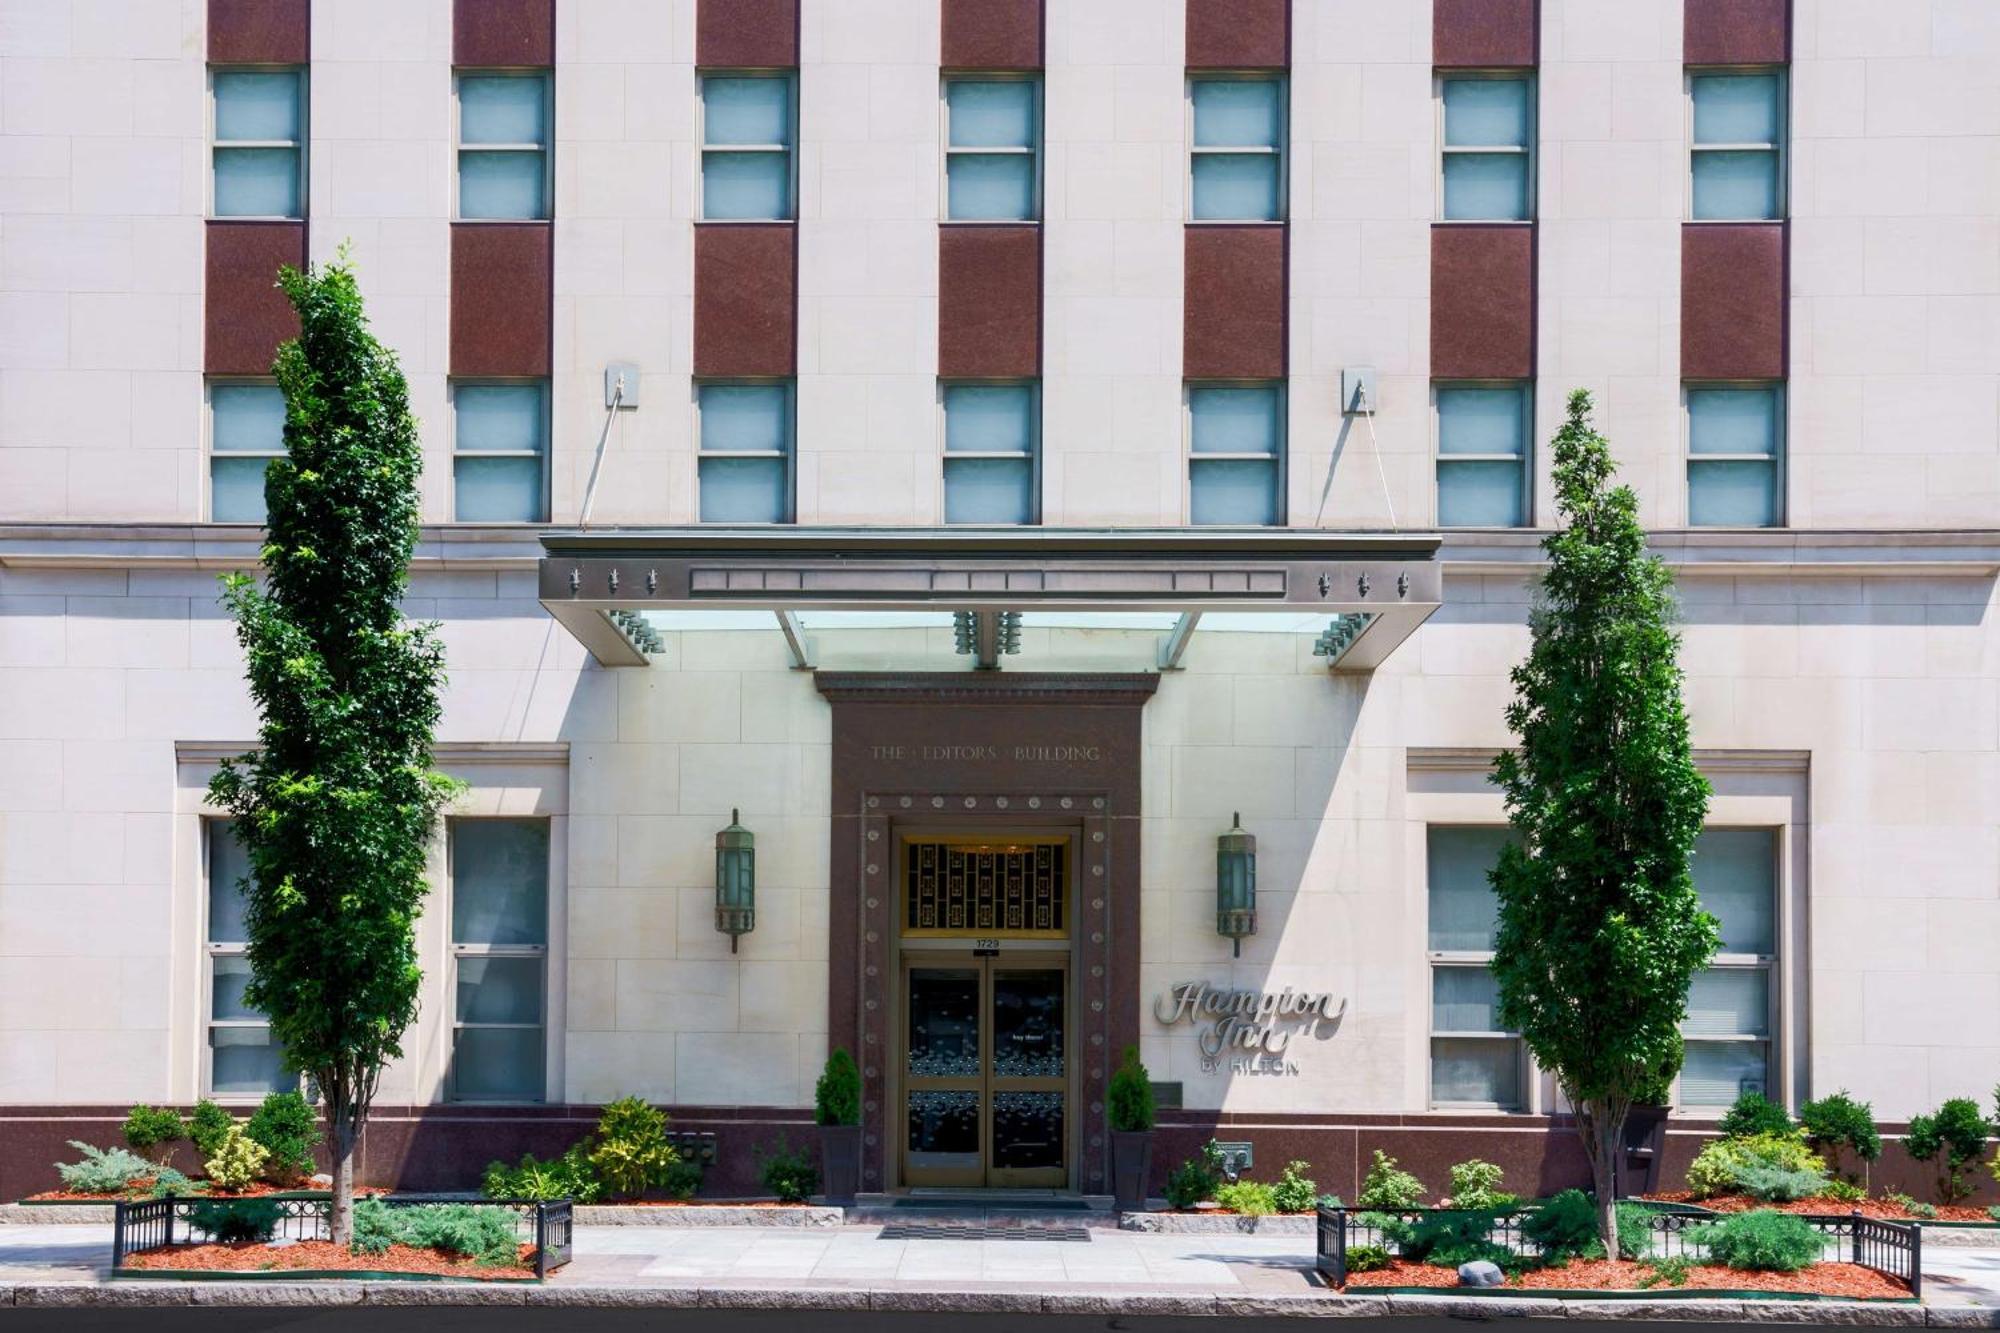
735, 880
1236, 885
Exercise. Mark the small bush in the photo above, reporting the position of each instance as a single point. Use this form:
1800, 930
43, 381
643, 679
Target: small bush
1251, 1198
482, 1234
1295, 1191
1717, 1167
1753, 1114
1775, 1184
837, 1095
103, 1170
208, 1127
1330, 1201
1194, 1180
1476, 1184
1672, 1270
153, 1131
238, 1221
1367, 1258
566, 1177
1924, 1211
1838, 1124
1386, 1187
789, 1175
1994, 1212
1448, 1239
1762, 1240
1898, 1199
630, 1152
1564, 1228
681, 1181
1130, 1101
1954, 1136
375, 1227
171, 1183
288, 1127
1635, 1236
1844, 1191
237, 1163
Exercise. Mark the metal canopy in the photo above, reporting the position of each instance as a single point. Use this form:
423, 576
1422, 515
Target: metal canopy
1375, 588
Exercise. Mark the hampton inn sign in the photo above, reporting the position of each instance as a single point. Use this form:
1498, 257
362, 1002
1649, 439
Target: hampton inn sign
1251, 1030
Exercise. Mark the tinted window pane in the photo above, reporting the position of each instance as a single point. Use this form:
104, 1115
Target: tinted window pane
1237, 491
1463, 911
229, 974
1728, 1002
504, 417
1735, 872
500, 109
1486, 185
255, 104
1482, 421
498, 1064
1733, 421
247, 416
1718, 1072
1485, 113
746, 111
499, 990
500, 881
988, 490
745, 418
1236, 113
1464, 999
236, 489
228, 864
501, 185
1735, 185
745, 185
257, 182
245, 1061
1241, 186
992, 115
743, 490
1234, 421
989, 418
1732, 495
497, 490
987, 187
1736, 108
1474, 1070
1479, 495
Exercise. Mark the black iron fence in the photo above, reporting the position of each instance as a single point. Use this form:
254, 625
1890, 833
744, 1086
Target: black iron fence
150, 1223
1894, 1249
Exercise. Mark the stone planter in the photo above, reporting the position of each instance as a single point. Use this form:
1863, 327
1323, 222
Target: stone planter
1131, 1166
840, 1161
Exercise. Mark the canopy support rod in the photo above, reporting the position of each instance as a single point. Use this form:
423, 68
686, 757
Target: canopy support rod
1174, 646
795, 639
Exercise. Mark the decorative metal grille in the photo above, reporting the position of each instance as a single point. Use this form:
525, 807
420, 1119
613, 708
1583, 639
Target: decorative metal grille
1002, 887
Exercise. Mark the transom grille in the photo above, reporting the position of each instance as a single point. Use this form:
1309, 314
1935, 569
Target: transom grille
1010, 888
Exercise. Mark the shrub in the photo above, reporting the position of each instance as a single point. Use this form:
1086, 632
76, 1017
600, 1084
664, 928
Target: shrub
375, 1227
1898, 1199
238, 1221
1251, 1198
837, 1095
789, 1175
103, 1170
288, 1127
629, 1152
1717, 1167
170, 1183
1635, 1237
1765, 1240
1386, 1187
481, 1233
1775, 1184
153, 1131
1458, 1236
1839, 1124
1844, 1191
1130, 1101
1752, 1114
1564, 1228
1925, 1211
1954, 1136
208, 1126
567, 1177
237, 1163
1366, 1258
1994, 1212
1295, 1191
1194, 1180
1476, 1184
1330, 1201
683, 1178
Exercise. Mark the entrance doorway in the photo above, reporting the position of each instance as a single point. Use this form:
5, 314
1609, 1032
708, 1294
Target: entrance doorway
986, 1065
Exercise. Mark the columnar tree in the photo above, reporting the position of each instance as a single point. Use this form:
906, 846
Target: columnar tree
1601, 930
336, 806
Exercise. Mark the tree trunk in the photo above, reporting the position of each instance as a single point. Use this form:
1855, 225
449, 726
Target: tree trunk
1602, 1127
341, 1219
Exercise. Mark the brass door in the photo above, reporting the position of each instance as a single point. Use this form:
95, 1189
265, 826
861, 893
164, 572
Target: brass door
986, 1071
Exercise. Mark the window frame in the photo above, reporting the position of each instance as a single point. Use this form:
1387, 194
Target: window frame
789, 78
946, 78
1436, 960
212, 949
1780, 428
1530, 149
456, 382
208, 386
790, 453
298, 147
1525, 459
1280, 456
545, 74
1033, 453
1782, 199
1281, 79
455, 952
1772, 967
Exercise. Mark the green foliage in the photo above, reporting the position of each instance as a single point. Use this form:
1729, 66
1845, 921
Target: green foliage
1131, 1097
1672, 1270
1656, 1086
1720, 1165
336, 805
1564, 1228
472, 1230
375, 1227
1954, 1136
682, 1179
566, 1177
1194, 1180
103, 1170
208, 1127
1924, 1211
171, 1182
154, 1130
1330, 1201
238, 1162
1765, 1240
238, 1220
1252, 1198
788, 1174
1838, 1124
288, 1127
837, 1095
1775, 1184
629, 1152
1295, 1191
1844, 1191
1476, 1184
1994, 1212
1898, 1199
1753, 1113
1600, 928
1387, 1187
1367, 1258
1448, 1238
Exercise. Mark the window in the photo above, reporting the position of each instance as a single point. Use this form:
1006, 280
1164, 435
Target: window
1489, 137
1738, 153
1238, 156
1483, 477
1474, 1061
990, 453
991, 144
1735, 445
1236, 446
499, 955
503, 146
246, 430
1728, 1025
260, 139
500, 443
746, 137
243, 1061
745, 467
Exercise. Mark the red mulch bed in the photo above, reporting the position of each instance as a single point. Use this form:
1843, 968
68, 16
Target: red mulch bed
255, 1256
1848, 1281
143, 1187
1877, 1208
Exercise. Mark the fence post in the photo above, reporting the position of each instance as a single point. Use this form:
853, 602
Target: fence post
1340, 1247
168, 1239
1917, 1260
1855, 1214
118, 1234
541, 1240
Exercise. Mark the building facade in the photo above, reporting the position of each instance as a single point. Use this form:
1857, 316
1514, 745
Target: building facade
988, 450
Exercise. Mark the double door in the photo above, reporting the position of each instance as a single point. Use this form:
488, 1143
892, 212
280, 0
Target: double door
986, 1071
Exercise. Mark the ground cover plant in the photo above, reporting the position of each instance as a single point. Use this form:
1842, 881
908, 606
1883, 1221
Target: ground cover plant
104, 1170
1761, 1240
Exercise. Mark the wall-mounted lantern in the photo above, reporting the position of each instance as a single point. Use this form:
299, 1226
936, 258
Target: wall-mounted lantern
735, 880
1236, 884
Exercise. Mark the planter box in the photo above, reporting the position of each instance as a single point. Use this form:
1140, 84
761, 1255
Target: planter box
840, 1162
1131, 1166
1217, 1224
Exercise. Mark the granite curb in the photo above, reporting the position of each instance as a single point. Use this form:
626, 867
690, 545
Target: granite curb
1218, 1224
707, 1215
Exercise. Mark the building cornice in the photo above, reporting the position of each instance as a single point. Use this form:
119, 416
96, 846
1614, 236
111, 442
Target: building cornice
1125, 688
229, 546
1757, 552
1479, 759
444, 754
